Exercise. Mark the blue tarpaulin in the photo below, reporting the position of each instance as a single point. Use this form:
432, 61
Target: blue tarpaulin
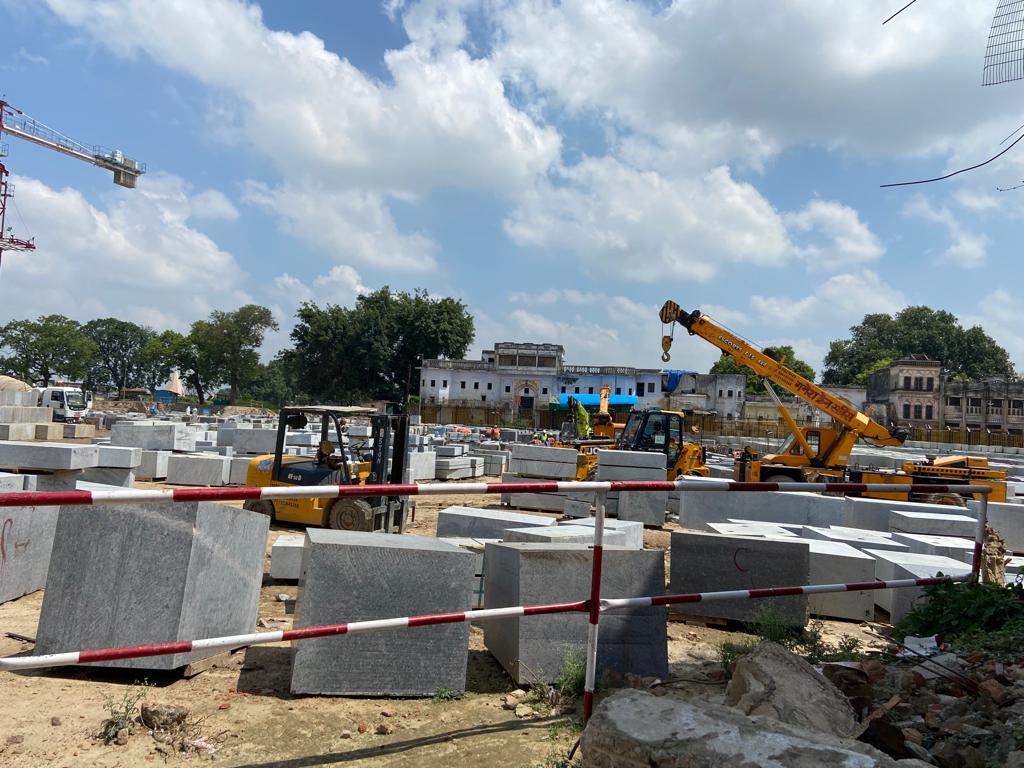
673, 378
595, 400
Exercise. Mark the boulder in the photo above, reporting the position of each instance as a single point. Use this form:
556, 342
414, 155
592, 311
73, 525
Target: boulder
778, 684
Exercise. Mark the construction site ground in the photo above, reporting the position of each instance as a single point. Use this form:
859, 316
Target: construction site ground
242, 706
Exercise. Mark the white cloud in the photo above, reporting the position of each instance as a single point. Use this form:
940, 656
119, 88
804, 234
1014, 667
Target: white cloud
1001, 314
842, 300
31, 58
966, 249
211, 204
341, 286
845, 240
135, 258
621, 308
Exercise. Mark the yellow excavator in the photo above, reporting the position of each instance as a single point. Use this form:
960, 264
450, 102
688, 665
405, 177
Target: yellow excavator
822, 454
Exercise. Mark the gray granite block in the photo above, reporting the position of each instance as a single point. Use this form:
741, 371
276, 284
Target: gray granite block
55, 456
837, 563
931, 523
238, 471
544, 453
634, 531
855, 537
54, 481
646, 507
152, 465
153, 436
698, 508
150, 573
875, 514
545, 470
756, 530
632, 459
49, 431
890, 566
18, 431
706, 562
954, 547
1008, 519
11, 482
26, 539
411, 575
76, 431
121, 477
532, 574
119, 456
450, 451
577, 508
255, 441
286, 557
564, 534
190, 469
484, 523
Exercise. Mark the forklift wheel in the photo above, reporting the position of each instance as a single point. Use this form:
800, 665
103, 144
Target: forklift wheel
350, 515
264, 507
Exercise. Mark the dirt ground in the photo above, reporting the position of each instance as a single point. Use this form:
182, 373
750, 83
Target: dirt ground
242, 706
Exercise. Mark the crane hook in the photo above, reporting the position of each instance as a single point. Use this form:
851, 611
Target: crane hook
666, 345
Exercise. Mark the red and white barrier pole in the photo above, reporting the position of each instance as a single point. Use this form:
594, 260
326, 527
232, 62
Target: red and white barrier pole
594, 618
979, 538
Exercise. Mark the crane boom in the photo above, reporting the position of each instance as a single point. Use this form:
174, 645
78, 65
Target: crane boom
841, 411
16, 123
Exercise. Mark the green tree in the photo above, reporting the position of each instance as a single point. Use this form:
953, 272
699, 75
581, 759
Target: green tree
189, 354
230, 341
367, 351
37, 350
275, 383
120, 352
966, 353
784, 354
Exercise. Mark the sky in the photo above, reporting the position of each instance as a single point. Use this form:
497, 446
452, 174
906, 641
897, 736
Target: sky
561, 167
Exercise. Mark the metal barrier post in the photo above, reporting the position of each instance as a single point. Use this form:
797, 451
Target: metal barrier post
979, 539
600, 497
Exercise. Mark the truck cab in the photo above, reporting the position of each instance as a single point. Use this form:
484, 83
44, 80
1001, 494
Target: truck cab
69, 404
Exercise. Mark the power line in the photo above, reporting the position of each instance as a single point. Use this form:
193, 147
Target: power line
901, 10
955, 173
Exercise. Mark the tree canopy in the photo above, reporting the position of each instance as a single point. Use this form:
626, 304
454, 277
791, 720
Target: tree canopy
880, 338
369, 351
38, 350
119, 360
785, 354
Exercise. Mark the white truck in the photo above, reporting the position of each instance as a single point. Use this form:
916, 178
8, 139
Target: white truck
69, 404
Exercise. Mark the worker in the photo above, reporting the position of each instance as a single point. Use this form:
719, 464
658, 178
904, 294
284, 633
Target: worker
537, 439
494, 433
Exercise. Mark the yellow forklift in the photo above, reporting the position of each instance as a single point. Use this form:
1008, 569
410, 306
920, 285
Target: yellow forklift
656, 430
333, 465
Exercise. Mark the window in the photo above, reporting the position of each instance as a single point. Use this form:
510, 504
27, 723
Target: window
423, 382
639, 388
906, 410
508, 388
563, 390
526, 390
576, 390
476, 385
618, 390
930, 384
730, 393
928, 412
1017, 407
483, 397
490, 386
630, 392
906, 382
650, 387
917, 411
590, 390
953, 402
995, 406
720, 393
432, 382
462, 385
444, 383
544, 391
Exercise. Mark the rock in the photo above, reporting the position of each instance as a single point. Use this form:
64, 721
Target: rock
919, 752
54, 721
949, 754
162, 717
775, 683
1015, 760
363, 727
121, 739
519, 693
346, 734
511, 702
913, 735
994, 690
972, 757
883, 735
15, 738
387, 713
524, 710
632, 727
385, 729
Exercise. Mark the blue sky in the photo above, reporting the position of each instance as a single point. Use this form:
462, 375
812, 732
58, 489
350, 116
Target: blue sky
561, 167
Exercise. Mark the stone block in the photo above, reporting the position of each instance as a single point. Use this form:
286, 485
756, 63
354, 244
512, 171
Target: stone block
706, 562
149, 573
547, 470
874, 514
757, 530
632, 459
114, 476
152, 465
53, 481
954, 547
634, 531
484, 523
791, 527
238, 470
531, 574
577, 508
837, 563
646, 507
565, 534
286, 557
697, 508
119, 456
934, 524
26, 539
854, 537
153, 436
79, 431
11, 414
11, 482
255, 441
191, 469
549, 502
906, 565
412, 575
1008, 519
49, 431
18, 431
450, 451
544, 453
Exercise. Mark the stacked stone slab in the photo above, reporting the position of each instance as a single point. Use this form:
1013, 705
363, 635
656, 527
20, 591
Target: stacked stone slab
706, 562
1007, 519
876, 514
640, 506
255, 442
954, 547
152, 465
633, 531
143, 573
453, 468
564, 534
546, 502
932, 523
422, 465
197, 469
534, 573
153, 436
26, 540
858, 538
286, 557
543, 462
48, 466
891, 565
697, 508
21, 417
484, 523
410, 575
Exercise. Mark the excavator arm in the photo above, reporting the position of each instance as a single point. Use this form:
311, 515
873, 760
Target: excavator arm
841, 411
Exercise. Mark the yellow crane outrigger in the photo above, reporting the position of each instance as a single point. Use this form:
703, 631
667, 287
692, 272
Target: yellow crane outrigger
816, 454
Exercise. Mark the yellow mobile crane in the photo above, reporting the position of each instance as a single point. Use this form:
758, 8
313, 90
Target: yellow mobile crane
819, 454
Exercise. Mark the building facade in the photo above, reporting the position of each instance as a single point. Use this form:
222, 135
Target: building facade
908, 392
527, 375
995, 404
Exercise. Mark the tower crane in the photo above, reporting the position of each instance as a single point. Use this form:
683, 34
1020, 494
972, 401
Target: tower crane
16, 123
